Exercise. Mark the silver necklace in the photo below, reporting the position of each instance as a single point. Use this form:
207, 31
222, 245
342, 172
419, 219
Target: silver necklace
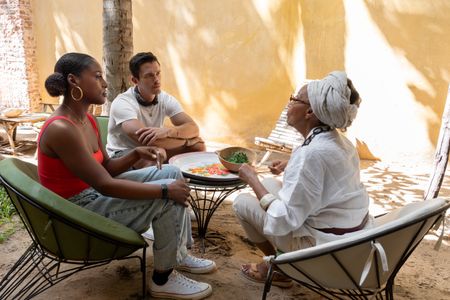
81, 121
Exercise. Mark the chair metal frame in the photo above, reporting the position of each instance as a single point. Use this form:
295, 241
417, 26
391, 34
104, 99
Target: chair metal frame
358, 292
38, 268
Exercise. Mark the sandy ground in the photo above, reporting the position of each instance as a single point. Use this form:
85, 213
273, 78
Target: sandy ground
424, 276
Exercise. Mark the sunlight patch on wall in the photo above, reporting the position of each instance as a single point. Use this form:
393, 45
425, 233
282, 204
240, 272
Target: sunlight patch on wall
388, 104
207, 36
412, 76
70, 40
183, 10
290, 49
181, 77
445, 75
212, 125
412, 7
299, 58
264, 8
228, 100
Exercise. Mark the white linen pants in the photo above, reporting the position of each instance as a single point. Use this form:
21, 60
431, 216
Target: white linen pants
251, 216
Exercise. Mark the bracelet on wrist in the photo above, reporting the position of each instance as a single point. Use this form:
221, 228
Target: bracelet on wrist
266, 200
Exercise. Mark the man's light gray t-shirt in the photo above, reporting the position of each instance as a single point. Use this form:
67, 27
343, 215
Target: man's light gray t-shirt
125, 107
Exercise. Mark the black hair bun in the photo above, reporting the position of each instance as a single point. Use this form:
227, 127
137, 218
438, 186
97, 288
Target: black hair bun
56, 84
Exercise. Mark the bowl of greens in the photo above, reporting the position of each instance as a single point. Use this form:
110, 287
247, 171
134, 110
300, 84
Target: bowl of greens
232, 158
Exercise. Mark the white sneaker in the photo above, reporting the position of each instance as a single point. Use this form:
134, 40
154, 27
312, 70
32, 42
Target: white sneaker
196, 265
149, 234
180, 287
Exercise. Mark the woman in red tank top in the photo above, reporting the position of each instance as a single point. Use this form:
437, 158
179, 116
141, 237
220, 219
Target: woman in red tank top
73, 163
69, 143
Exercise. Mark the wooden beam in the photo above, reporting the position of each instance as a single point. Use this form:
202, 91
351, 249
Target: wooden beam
441, 156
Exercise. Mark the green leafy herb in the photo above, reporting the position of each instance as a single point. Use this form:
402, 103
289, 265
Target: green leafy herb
238, 157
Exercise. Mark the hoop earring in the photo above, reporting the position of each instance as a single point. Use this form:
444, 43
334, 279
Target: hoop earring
81, 93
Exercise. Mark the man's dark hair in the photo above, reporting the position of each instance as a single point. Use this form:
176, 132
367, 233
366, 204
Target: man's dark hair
138, 60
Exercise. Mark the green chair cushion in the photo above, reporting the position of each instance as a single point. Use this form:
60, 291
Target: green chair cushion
102, 122
78, 228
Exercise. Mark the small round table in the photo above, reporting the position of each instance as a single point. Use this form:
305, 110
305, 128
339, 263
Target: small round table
205, 198
207, 191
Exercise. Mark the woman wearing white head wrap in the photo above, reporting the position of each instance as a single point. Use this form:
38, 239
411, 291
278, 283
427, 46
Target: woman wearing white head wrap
321, 197
330, 100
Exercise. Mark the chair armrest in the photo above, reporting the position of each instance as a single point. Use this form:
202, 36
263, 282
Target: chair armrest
16, 174
395, 220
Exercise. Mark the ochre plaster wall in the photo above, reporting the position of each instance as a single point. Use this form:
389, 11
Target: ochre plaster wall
234, 63
230, 62
62, 26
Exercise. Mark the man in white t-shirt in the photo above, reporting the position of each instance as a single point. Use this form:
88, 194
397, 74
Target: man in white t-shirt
137, 115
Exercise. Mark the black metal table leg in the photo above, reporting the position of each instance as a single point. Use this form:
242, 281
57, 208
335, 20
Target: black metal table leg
204, 200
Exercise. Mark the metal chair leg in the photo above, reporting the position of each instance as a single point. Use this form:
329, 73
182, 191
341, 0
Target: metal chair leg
268, 282
144, 273
22, 281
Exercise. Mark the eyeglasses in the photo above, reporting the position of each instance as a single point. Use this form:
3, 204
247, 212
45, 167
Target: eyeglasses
293, 99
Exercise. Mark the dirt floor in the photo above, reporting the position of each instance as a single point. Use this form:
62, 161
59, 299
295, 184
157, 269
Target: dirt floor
426, 275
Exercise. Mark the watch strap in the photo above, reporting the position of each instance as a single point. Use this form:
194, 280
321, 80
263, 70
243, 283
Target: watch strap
164, 191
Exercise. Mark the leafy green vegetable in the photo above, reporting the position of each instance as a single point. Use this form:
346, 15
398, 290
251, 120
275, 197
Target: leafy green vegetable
238, 157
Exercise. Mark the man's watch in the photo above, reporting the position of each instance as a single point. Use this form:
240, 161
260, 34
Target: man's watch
164, 191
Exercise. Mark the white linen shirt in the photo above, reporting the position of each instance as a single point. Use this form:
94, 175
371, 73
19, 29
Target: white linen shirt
321, 189
125, 107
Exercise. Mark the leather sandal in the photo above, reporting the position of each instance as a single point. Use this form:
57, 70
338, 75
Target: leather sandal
257, 272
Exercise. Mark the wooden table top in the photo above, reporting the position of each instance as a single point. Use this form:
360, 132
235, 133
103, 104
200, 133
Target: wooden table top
25, 118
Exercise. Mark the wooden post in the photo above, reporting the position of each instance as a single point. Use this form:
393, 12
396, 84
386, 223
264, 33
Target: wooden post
441, 156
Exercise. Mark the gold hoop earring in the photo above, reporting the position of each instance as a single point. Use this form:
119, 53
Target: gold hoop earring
81, 93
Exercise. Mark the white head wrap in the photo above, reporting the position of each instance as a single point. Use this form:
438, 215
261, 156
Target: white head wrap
330, 100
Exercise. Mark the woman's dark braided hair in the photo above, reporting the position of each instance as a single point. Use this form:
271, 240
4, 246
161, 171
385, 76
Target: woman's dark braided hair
70, 63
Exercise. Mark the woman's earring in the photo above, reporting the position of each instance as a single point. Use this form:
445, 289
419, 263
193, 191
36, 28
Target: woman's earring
81, 93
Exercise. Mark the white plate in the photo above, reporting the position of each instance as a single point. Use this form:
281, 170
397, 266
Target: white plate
191, 160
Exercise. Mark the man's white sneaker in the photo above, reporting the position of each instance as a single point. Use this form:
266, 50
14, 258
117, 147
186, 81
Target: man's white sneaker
149, 234
180, 287
196, 265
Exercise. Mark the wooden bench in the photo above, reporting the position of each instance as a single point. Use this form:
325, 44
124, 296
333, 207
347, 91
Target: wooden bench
49, 107
283, 138
10, 126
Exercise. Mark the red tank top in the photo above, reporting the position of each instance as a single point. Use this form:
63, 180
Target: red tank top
53, 173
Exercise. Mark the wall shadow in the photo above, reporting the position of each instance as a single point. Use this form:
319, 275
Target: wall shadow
324, 33
223, 59
419, 30
62, 28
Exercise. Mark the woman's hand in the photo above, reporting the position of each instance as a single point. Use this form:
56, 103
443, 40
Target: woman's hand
277, 167
151, 153
247, 173
178, 191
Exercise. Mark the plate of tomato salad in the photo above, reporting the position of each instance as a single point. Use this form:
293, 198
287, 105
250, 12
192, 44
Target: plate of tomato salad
203, 166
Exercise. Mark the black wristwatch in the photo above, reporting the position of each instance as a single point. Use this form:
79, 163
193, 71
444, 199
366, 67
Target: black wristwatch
164, 191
